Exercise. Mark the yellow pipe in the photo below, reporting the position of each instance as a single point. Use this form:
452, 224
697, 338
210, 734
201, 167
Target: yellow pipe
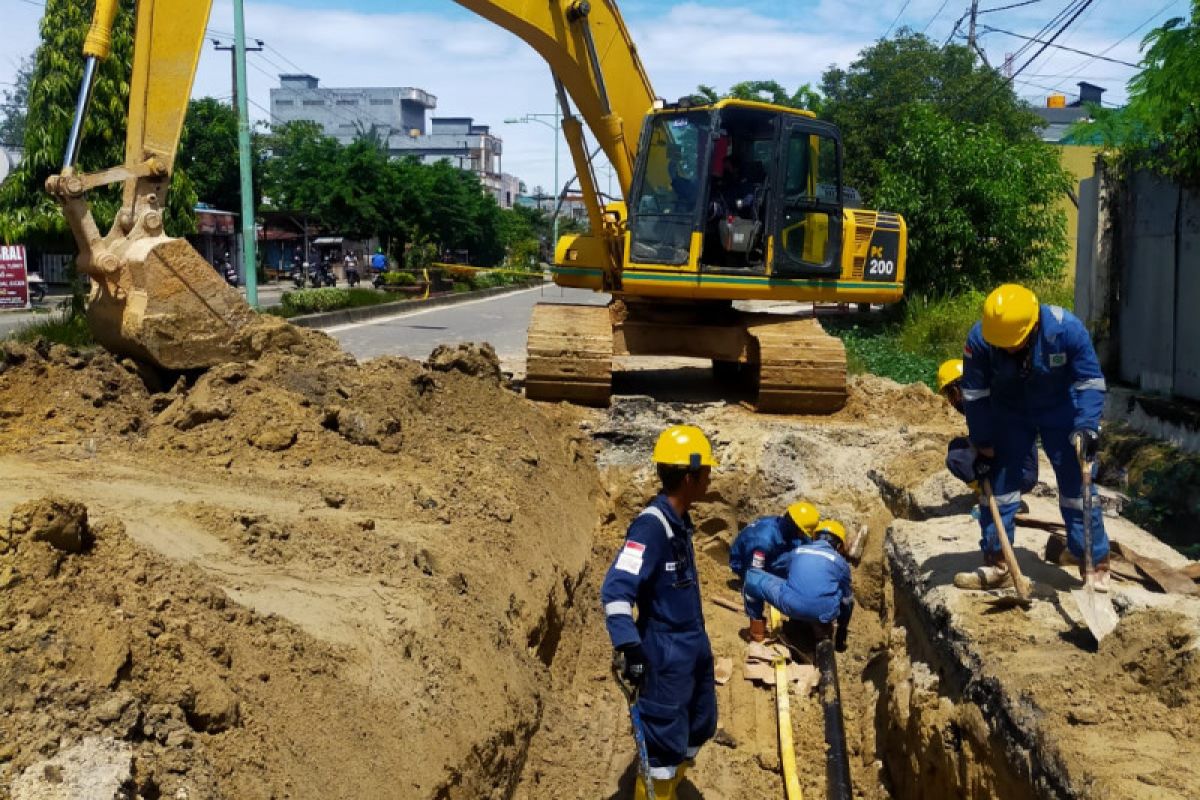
783, 706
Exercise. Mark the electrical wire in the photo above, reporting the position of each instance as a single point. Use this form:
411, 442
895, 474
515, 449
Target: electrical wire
1112, 46
1059, 46
1006, 8
937, 14
897, 19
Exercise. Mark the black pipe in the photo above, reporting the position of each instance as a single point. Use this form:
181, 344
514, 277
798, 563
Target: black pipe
837, 763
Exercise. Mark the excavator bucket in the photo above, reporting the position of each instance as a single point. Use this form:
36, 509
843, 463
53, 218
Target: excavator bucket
171, 309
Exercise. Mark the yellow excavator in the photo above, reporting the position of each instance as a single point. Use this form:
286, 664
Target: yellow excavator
726, 201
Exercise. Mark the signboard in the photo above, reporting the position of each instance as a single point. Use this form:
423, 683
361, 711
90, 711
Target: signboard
14, 282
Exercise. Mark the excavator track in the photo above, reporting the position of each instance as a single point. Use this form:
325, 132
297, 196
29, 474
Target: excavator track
570, 349
802, 369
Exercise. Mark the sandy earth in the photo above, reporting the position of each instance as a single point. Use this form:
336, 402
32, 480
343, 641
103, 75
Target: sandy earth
309, 578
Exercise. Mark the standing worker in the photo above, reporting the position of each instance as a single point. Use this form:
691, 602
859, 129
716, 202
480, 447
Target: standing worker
666, 652
765, 544
817, 586
1030, 370
960, 454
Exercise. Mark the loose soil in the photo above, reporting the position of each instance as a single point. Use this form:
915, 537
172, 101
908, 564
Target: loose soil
311, 578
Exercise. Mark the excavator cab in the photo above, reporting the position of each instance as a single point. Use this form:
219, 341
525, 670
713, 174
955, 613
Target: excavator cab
744, 188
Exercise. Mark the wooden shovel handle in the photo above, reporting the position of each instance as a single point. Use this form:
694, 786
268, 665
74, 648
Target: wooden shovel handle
1010, 557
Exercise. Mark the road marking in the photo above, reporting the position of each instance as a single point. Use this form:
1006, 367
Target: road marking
381, 320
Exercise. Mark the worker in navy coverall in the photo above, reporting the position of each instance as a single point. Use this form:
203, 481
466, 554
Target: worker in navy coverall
961, 454
1030, 370
817, 586
765, 543
665, 648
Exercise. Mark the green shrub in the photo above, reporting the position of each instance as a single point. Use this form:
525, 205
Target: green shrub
308, 301
399, 278
873, 345
460, 287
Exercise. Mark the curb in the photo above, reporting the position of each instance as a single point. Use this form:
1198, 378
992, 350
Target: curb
328, 319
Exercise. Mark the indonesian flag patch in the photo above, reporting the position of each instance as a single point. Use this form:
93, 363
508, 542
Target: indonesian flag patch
630, 558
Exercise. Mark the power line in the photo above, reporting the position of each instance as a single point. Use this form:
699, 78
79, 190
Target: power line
897, 19
941, 8
1112, 46
1006, 8
1059, 46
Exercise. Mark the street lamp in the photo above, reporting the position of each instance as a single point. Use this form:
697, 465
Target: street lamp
540, 118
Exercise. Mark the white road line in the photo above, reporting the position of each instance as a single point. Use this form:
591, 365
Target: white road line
381, 320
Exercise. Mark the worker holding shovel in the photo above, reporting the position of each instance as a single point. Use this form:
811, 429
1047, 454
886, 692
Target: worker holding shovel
1030, 370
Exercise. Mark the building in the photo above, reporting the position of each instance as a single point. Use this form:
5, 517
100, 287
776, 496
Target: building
397, 115
1077, 159
1059, 115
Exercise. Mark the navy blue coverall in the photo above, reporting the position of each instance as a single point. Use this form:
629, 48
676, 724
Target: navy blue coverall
817, 587
1051, 388
960, 460
765, 534
655, 572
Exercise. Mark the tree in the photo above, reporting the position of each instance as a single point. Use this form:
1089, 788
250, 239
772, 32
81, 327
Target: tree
208, 152
27, 213
1162, 117
980, 207
870, 101
13, 107
766, 92
299, 171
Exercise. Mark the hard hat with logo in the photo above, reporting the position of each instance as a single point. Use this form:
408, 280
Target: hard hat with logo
831, 526
805, 515
1009, 314
949, 372
684, 446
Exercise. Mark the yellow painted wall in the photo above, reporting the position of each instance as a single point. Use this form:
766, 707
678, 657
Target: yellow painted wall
1080, 161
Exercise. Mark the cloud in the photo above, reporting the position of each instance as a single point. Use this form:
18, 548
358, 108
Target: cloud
478, 69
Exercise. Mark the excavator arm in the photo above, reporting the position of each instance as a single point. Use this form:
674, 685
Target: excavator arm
593, 58
153, 297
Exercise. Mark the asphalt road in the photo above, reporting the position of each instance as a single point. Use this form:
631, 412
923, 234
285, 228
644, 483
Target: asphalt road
500, 320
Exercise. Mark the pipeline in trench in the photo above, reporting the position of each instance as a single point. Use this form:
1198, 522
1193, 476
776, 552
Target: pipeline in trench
917, 724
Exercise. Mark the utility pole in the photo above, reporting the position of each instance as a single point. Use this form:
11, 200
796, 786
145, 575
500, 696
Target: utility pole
971, 33
241, 105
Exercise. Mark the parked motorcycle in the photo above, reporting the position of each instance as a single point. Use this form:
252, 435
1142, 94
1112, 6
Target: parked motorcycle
298, 275
322, 276
37, 288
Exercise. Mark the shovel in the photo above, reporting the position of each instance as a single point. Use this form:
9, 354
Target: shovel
639, 735
1095, 607
1021, 598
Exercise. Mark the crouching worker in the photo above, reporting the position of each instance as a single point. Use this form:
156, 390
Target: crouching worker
765, 544
962, 459
817, 587
665, 651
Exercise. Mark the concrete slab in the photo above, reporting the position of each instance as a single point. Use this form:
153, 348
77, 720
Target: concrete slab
1060, 708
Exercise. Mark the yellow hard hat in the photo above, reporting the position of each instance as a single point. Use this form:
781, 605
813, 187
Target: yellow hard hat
832, 526
1009, 314
684, 446
949, 372
805, 515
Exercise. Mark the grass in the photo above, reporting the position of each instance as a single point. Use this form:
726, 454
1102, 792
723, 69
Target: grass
60, 327
907, 344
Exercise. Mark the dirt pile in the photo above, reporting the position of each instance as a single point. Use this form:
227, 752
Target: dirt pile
305, 577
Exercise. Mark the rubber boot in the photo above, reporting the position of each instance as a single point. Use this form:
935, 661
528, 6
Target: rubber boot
664, 789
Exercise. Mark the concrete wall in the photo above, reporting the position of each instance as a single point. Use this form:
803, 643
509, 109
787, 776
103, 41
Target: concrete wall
1138, 280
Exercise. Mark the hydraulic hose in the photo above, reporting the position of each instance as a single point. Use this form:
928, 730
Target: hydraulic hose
837, 763
783, 709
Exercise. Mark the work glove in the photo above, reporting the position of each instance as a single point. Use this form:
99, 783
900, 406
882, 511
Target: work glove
1090, 440
839, 639
983, 467
633, 663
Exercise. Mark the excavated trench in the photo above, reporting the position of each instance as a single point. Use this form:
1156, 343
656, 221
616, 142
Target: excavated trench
920, 722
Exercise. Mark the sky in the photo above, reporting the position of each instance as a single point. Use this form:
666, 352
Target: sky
479, 70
